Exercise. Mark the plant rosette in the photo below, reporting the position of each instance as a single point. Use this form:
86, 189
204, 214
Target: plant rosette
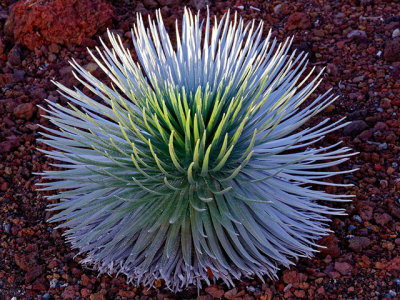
194, 159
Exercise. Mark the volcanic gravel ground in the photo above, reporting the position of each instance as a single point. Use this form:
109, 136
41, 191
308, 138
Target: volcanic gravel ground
358, 42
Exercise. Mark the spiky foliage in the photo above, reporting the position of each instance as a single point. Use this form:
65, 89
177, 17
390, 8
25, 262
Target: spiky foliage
193, 161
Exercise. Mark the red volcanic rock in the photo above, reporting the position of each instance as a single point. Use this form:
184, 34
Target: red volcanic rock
40, 284
69, 293
25, 262
214, 291
396, 101
293, 277
1, 46
365, 209
6, 79
298, 20
331, 244
343, 268
98, 296
394, 264
25, 111
33, 273
85, 280
85, 293
382, 219
392, 50
358, 243
355, 127
35, 23
9, 144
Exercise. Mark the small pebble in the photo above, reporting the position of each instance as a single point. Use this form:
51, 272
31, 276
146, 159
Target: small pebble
19, 74
46, 296
288, 287
277, 8
254, 8
7, 227
53, 283
383, 146
357, 34
52, 57
351, 227
251, 289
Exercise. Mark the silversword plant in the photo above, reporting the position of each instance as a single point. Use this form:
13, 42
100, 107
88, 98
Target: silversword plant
193, 161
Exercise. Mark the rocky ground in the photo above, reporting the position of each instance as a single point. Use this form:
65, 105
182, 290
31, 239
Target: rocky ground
359, 43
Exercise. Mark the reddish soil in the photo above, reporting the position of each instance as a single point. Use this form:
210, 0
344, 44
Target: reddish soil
358, 41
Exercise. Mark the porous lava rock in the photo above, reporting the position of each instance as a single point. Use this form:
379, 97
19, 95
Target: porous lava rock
35, 23
331, 245
392, 50
298, 20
